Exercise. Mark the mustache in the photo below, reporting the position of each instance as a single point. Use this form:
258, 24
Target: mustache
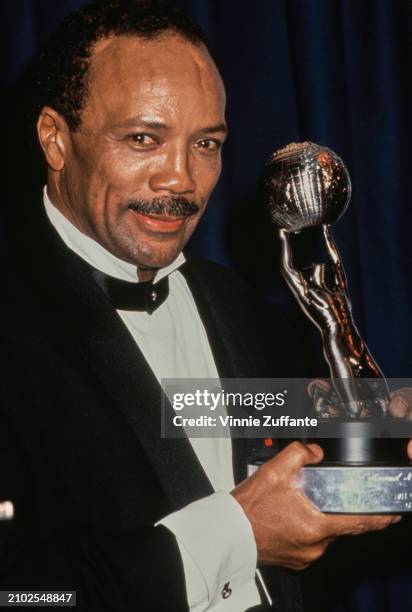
170, 207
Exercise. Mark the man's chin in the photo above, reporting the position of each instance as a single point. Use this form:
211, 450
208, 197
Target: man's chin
150, 252
155, 260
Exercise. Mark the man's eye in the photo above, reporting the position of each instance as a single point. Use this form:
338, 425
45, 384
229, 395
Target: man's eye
142, 139
208, 144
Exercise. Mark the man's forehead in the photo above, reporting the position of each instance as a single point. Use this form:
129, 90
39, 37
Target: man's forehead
128, 71
169, 56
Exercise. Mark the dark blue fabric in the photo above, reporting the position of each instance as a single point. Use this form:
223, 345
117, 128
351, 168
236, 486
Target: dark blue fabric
337, 72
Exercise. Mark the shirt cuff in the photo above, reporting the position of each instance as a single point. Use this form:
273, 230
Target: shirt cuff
218, 551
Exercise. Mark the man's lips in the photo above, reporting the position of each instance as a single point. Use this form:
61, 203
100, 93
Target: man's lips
159, 223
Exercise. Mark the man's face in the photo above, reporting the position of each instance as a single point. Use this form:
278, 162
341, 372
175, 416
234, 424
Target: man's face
139, 171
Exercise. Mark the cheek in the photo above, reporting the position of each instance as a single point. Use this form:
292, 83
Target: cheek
116, 168
125, 172
207, 175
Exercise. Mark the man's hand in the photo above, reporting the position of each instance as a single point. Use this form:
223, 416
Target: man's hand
401, 406
289, 531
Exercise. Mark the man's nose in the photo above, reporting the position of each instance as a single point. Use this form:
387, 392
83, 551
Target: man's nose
174, 175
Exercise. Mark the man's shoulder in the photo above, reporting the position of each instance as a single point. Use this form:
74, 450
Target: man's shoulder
229, 292
253, 324
217, 277
223, 282
208, 265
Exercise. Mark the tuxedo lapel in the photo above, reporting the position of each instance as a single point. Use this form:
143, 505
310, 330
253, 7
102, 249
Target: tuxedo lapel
76, 314
222, 328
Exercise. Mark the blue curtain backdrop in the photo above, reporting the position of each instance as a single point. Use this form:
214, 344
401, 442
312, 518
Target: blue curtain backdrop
337, 72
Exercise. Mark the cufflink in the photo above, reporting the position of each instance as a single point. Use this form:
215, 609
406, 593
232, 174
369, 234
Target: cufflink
226, 591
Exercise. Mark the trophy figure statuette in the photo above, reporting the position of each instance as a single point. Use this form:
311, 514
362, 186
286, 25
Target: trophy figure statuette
306, 185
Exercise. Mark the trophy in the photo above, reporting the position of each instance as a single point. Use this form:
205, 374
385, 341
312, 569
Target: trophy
306, 185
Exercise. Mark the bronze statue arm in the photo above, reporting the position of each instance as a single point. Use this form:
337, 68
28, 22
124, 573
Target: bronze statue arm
294, 279
332, 250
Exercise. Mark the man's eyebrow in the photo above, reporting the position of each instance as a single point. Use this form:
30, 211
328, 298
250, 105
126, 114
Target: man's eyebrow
221, 127
139, 122
159, 125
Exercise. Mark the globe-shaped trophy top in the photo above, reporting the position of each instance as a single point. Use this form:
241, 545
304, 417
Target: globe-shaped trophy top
305, 185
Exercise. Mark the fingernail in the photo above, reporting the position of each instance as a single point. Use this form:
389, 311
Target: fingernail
397, 519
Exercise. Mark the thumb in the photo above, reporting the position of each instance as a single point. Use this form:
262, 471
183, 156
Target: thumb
296, 455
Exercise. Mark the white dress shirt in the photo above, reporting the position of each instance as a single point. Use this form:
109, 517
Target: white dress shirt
214, 537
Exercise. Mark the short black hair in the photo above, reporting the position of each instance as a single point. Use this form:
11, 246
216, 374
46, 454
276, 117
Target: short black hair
62, 72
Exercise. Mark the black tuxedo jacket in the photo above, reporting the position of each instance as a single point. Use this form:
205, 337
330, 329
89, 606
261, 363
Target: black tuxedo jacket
81, 453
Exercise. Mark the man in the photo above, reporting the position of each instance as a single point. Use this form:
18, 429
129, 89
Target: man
100, 306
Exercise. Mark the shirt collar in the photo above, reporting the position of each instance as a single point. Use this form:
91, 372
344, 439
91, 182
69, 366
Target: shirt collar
93, 252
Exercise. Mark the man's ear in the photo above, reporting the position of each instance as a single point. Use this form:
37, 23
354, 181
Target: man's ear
53, 134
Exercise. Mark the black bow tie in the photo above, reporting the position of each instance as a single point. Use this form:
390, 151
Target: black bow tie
125, 295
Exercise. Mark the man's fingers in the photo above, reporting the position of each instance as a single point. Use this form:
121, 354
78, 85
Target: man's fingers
409, 449
317, 451
400, 405
296, 455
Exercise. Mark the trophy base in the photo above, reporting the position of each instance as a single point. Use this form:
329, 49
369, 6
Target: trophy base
341, 489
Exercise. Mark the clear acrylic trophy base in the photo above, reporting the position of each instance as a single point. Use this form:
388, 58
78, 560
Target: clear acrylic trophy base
360, 474
344, 489
341, 489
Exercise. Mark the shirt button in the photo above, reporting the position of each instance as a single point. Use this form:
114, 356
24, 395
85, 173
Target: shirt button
226, 591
